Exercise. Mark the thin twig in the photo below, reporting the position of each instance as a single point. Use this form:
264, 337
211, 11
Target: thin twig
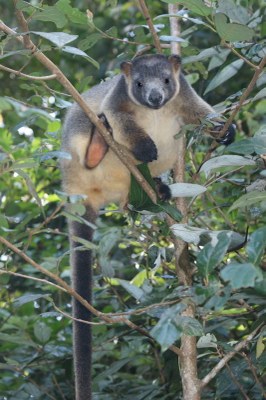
76, 319
236, 382
146, 14
33, 278
31, 77
228, 356
58, 387
229, 46
252, 368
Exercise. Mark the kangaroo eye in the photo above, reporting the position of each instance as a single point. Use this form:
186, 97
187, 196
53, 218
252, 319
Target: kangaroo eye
139, 84
167, 81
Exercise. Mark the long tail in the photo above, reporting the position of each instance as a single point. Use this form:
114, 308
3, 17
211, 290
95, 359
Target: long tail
81, 262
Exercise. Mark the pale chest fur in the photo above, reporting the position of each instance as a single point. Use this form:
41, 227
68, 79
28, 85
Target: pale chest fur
162, 126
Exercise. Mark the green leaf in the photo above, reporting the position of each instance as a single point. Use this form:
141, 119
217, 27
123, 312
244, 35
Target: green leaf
167, 38
133, 290
259, 141
30, 186
141, 201
204, 54
226, 73
234, 11
196, 6
137, 197
248, 199
260, 95
60, 39
256, 144
89, 245
165, 333
112, 31
208, 340
109, 239
112, 369
24, 6
51, 14
4, 104
256, 245
241, 275
42, 332
245, 147
260, 347
186, 189
89, 41
188, 325
76, 208
78, 52
211, 256
27, 298
219, 58
32, 390
3, 222
232, 32
16, 339
73, 14
170, 210
225, 161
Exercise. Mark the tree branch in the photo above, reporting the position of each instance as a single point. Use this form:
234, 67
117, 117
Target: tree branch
146, 14
33, 278
21, 74
174, 28
221, 364
188, 349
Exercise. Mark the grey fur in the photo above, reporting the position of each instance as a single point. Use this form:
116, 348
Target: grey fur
144, 118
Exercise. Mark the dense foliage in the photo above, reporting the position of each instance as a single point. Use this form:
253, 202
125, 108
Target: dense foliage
134, 268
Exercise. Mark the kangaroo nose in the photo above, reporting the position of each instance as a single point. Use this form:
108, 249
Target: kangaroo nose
155, 98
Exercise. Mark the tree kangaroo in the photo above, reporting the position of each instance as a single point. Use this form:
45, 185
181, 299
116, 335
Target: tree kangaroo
144, 107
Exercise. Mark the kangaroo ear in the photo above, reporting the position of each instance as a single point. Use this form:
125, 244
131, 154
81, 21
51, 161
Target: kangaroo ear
175, 60
126, 67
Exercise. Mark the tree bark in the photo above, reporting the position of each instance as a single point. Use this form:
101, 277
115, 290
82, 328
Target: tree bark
188, 357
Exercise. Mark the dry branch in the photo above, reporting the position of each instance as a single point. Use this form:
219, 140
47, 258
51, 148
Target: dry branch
146, 14
31, 77
221, 364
